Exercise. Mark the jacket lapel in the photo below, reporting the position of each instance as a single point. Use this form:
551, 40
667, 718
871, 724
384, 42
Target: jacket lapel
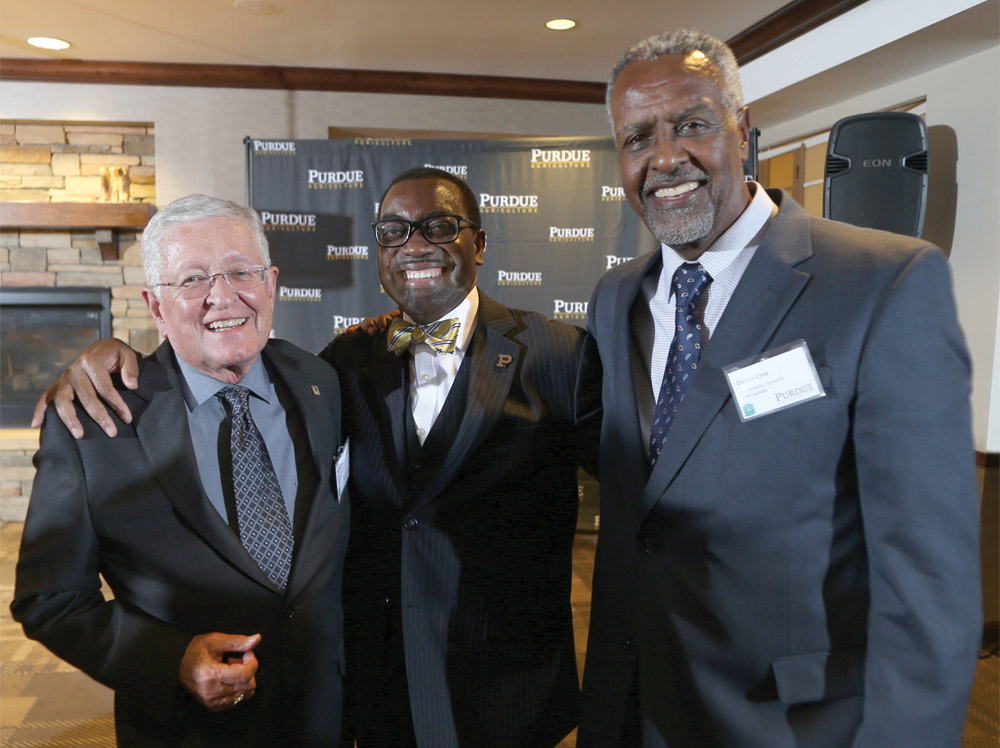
769, 287
165, 438
321, 437
621, 353
489, 385
390, 382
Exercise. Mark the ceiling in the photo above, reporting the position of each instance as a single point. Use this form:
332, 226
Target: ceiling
473, 38
505, 38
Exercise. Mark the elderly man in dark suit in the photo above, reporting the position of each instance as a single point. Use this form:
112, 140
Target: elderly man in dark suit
468, 421
789, 540
215, 516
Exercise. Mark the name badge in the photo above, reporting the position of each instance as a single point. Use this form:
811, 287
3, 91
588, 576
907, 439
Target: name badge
343, 468
774, 380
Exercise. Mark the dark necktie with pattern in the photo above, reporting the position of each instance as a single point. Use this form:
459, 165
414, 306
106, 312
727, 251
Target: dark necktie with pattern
264, 528
690, 279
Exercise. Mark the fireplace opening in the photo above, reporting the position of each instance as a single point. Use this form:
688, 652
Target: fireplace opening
41, 331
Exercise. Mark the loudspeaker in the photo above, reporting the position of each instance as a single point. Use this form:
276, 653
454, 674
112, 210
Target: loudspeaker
876, 172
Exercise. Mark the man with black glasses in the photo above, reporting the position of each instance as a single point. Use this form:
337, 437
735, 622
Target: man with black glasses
465, 440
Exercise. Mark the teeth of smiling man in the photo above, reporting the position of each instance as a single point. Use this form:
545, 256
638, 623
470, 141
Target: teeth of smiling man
417, 274
226, 324
675, 191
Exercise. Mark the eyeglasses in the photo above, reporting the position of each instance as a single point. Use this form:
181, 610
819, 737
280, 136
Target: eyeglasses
244, 279
436, 230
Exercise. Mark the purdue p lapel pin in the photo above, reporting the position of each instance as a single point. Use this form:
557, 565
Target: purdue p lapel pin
503, 360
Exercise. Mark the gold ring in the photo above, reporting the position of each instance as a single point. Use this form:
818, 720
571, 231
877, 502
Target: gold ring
237, 699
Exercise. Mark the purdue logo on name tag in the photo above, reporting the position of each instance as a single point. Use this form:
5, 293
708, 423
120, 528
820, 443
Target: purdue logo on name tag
774, 380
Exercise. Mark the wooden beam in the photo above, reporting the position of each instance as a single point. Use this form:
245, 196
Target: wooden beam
75, 215
301, 79
786, 23
105, 218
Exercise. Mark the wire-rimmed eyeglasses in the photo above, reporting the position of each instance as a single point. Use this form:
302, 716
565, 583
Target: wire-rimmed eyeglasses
435, 229
241, 279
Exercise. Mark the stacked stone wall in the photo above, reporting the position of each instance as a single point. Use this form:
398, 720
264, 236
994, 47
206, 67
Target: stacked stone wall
70, 162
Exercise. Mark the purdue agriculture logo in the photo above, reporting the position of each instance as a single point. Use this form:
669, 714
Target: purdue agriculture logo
341, 323
508, 203
299, 294
612, 194
382, 141
557, 234
510, 278
544, 158
335, 180
616, 260
273, 148
288, 221
459, 170
569, 309
354, 252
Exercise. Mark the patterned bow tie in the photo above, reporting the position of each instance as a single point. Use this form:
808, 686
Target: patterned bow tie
440, 336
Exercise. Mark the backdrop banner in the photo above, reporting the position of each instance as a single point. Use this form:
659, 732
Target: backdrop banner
554, 211
553, 208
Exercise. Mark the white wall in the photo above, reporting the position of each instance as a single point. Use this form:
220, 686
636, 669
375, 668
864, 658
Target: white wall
199, 131
965, 97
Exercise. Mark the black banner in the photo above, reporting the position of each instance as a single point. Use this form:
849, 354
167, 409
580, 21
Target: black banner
553, 209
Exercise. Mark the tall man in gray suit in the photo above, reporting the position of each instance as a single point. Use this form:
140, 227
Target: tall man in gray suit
467, 420
215, 516
789, 543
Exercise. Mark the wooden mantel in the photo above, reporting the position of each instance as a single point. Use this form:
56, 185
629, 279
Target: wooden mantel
105, 218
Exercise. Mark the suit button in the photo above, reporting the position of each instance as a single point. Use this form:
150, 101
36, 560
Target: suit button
647, 544
627, 645
289, 611
410, 523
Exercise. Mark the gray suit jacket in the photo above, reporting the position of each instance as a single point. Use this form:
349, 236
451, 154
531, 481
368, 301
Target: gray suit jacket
133, 510
464, 545
808, 578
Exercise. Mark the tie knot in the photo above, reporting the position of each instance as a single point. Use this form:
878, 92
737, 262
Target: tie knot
690, 280
440, 336
238, 397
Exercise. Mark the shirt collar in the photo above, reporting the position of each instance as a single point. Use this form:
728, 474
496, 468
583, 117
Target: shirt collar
465, 313
744, 231
200, 387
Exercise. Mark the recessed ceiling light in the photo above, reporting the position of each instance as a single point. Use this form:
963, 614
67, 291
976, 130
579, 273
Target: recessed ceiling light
47, 42
560, 24
260, 7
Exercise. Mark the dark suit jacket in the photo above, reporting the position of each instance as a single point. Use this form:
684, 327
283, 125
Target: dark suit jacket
468, 540
808, 578
133, 510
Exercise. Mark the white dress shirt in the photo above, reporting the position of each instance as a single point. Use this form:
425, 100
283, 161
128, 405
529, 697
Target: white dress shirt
432, 374
725, 261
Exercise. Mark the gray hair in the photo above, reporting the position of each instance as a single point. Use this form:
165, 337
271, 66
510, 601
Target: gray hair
188, 210
682, 42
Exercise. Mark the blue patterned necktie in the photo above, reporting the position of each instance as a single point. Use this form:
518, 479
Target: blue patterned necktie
440, 336
264, 528
690, 279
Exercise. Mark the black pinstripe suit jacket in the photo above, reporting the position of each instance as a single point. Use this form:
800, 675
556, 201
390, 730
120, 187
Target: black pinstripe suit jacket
470, 546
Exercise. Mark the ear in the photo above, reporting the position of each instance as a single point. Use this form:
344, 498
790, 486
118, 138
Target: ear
480, 244
154, 304
743, 123
271, 280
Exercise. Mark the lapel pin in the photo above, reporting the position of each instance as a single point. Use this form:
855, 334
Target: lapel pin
315, 389
503, 359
